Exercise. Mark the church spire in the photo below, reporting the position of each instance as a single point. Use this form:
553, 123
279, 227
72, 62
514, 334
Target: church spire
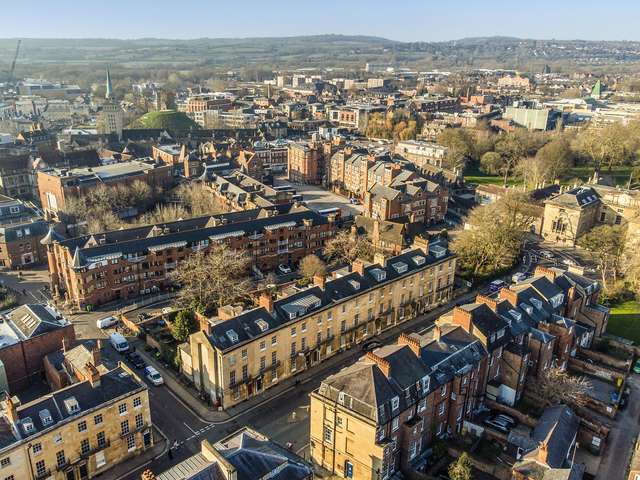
109, 94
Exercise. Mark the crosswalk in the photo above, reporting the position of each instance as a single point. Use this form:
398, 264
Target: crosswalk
196, 433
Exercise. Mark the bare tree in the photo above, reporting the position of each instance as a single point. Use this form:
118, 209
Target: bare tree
556, 386
346, 247
212, 278
311, 265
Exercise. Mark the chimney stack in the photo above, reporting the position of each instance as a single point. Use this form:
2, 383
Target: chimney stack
543, 452
437, 332
412, 343
462, 318
358, 266
383, 364
92, 375
489, 302
319, 280
10, 407
266, 301
547, 272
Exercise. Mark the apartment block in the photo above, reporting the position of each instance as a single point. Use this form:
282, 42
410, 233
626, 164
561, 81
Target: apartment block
306, 161
241, 353
21, 230
78, 432
95, 269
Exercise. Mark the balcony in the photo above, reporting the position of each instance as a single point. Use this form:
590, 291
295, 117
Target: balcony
94, 450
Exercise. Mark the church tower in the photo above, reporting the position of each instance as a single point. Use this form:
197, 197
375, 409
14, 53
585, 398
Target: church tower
111, 116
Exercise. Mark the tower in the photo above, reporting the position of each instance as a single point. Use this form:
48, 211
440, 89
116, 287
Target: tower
109, 94
111, 116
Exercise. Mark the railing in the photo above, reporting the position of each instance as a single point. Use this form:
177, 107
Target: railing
94, 450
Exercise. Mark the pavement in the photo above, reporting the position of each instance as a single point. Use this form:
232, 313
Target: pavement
317, 198
622, 436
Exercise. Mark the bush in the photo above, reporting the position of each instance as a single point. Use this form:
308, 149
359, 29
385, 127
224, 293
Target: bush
616, 293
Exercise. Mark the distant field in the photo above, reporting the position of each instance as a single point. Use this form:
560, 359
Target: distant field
624, 321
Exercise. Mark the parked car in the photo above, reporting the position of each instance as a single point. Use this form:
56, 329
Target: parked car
284, 269
136, 360
119, 343
518, 277
371, 345
546, 253
636, 367
496, 426
496, 285
153, 376
106, 322
568, 261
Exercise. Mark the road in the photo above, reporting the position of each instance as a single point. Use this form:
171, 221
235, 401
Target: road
318, 198
623, 436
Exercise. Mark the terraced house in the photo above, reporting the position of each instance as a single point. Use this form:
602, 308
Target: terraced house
95, 269
382, 414
240, 353
78, 432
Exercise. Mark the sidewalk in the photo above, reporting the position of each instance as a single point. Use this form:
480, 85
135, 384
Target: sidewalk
128, 468
207, 414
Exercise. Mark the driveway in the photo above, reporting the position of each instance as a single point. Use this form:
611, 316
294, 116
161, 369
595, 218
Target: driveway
623, 436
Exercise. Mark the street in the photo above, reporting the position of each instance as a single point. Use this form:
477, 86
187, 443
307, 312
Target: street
318, 198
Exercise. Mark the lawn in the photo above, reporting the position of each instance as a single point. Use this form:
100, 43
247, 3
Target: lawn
624, 321
620, 174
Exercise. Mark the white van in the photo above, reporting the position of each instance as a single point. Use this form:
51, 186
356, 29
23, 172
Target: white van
118, 342
106, 322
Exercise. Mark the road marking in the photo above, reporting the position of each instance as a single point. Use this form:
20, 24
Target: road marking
301, 449
191, 429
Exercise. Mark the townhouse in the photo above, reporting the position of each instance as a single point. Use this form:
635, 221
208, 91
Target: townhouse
77, 432
238, 191
95, 269
381, 414
240, 353
21, 230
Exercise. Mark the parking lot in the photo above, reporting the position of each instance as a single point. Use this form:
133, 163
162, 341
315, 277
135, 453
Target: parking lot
317, 198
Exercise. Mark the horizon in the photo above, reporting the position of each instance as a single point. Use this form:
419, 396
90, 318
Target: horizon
410, 21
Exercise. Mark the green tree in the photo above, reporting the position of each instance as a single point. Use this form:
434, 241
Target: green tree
184, 325
460, 469
491, 163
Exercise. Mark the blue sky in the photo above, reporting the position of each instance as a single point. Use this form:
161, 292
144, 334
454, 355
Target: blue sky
408, 20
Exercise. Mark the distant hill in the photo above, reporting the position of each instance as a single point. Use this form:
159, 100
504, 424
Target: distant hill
170, 120
317, 51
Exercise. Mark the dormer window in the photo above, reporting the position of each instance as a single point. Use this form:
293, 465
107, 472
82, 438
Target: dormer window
45, 417
501, 333
28, 425
379, 274
536, 303
395, 403
72, 405
232, 335
355, 284
426, 380
400, 267
419, 260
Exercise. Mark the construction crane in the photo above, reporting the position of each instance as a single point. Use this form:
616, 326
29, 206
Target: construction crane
13, 63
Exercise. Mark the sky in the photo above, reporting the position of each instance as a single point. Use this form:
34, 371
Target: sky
404, 20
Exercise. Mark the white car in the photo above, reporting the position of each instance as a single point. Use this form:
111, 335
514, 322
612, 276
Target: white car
153, 376
518, 277
106, 322
568, 261
546, 253
284, 269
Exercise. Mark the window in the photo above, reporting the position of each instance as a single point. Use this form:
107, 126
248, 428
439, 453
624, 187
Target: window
243, 354
97, 419
37, 448
82, 426
441, 409
232, 360
422, 405
263, 363
102, 440
122, 408
232, 378
263, 346
139, 421
131, 443
274, 340
443, 392
303, 327
5, 462
274, 358
395, 424
303, 344
58, 439
124, 427
293, 349
41, 468
395, 403
10, 477
293, 331
60, 459
85, 447
137, 402
328, 434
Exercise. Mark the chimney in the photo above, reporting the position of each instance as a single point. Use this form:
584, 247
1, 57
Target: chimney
383, 364
96, 354
543, 453
358, 266
319, 280
10, 408
508, 295
226, 312
437, 332
148, 475
422, 243
379, 258
462, 318
92, 375
266, 301
547, 272
489, 302
412, 343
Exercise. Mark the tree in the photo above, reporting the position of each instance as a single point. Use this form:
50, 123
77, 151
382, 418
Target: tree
556, 386
311, 265
556, 158
212, 278
460, 469
513, 146
495, 234
346, 247
184, 325
606, 245
460, 146
491, 163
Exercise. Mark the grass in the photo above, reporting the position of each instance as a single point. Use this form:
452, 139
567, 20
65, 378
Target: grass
624, 321
620, 174
476, 176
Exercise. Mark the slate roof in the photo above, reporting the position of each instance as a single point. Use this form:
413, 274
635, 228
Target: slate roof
579, 197
246, 326
34, 319
557, 427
